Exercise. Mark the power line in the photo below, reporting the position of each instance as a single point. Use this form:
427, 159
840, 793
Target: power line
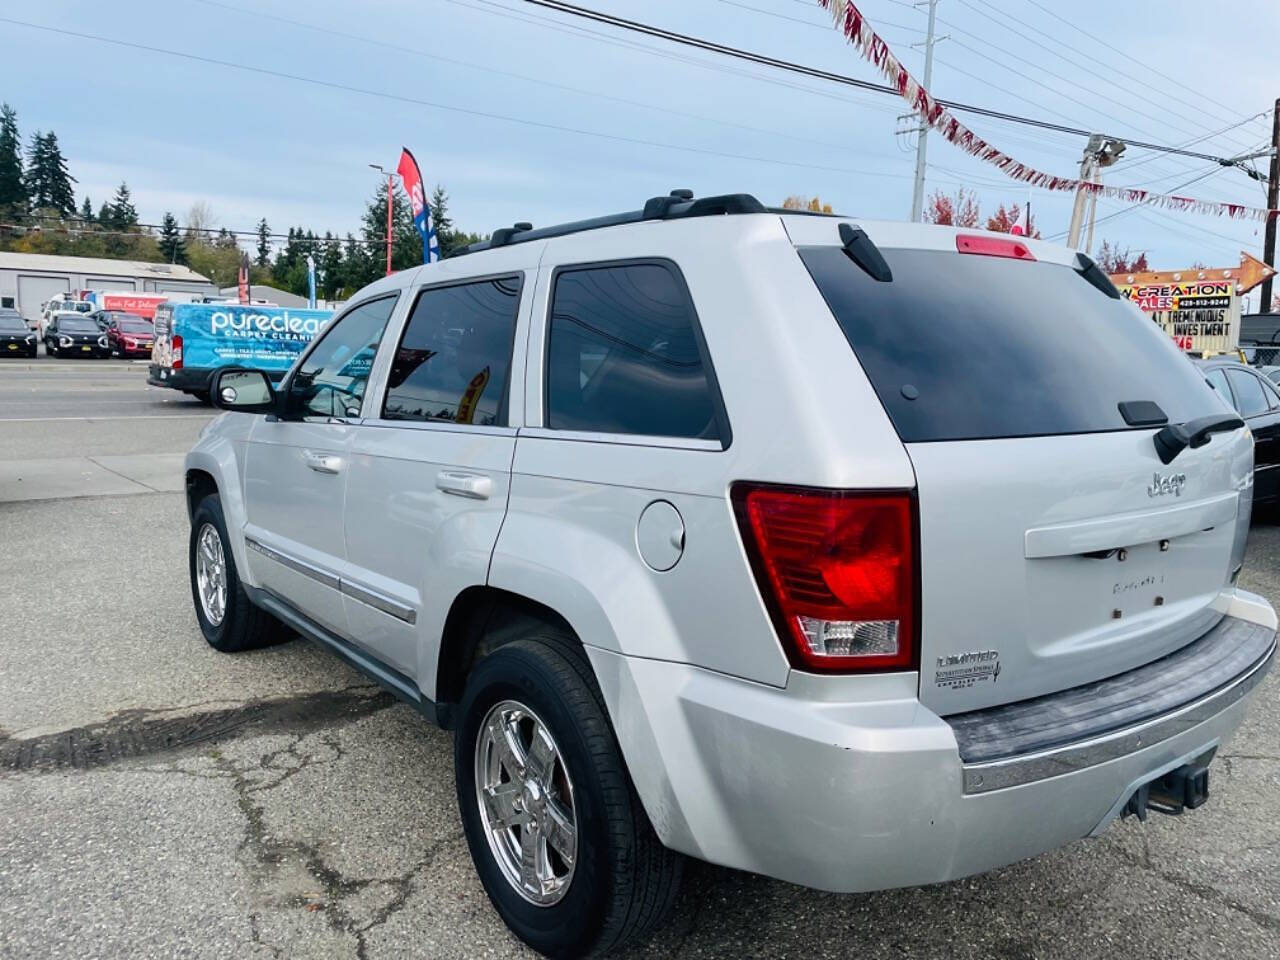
1068, 60
524, 78
400, 98
698, 43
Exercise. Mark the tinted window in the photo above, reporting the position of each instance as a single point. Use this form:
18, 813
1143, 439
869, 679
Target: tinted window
994, 347
1218, 378
12, 323
331, 381
623, 355
1268, 387
134, 326
76, 325
455, 355
1248, 391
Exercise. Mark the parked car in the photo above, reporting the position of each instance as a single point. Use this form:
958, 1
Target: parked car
16, 338
1256, 399
74, 335
1271, 372
128, 335
703, 537
60, 303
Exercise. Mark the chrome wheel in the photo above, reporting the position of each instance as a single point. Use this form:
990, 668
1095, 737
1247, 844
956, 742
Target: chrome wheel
526, 803
211, 574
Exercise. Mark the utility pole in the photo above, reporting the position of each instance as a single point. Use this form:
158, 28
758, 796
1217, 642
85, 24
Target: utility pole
1273, 201
1100, 152
922, 145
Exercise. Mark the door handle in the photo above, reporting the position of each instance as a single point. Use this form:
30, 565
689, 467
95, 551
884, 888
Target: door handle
477, 486
323, 462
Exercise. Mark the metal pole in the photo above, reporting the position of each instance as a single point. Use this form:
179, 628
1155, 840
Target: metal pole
1273, 201
1093, 212
391, 185
922, 145
1077, 210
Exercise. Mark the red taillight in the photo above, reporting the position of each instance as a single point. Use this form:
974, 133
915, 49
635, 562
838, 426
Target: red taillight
993, 246
175, 349
838, 573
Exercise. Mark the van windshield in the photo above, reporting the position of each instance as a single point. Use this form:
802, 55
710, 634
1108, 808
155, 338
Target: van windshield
962, 347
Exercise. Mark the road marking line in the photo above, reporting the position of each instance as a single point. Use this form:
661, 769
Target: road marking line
145, 416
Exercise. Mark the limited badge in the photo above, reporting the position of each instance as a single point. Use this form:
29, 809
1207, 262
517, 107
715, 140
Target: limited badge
958, 671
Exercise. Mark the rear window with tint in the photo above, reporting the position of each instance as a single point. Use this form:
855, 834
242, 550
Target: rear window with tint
962, 347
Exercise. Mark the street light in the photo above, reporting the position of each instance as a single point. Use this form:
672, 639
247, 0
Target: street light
391, 185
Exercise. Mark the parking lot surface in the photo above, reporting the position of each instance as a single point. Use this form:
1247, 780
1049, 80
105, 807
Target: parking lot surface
158, 799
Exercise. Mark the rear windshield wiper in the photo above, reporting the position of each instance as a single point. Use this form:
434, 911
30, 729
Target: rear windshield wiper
1176, 437
860, 248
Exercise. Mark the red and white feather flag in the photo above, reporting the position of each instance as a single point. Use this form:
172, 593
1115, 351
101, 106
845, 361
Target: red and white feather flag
850, 21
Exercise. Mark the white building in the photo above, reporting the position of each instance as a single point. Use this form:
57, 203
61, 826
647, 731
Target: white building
29, 279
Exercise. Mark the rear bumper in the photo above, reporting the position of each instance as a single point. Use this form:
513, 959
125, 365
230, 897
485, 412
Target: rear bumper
850, 784
187, 379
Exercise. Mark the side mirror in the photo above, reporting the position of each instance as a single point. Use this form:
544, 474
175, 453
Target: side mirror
242, 390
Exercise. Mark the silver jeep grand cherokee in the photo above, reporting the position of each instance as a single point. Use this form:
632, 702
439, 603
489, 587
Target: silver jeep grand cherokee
855, 554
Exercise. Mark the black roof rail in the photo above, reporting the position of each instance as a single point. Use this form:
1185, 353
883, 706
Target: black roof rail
676, 205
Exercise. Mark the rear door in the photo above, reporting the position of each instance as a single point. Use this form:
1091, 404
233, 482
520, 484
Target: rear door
430, 468
1056, 548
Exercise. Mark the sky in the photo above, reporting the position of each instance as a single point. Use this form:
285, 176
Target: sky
526, 114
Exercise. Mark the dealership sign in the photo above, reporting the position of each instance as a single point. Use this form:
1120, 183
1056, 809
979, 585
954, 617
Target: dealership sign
1198, 308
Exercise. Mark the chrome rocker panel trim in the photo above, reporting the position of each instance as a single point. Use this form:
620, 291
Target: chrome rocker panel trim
368, 597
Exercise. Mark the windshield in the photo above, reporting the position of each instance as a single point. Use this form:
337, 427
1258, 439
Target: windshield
133, 325
76, 325
964, 347
12, 323
80, 306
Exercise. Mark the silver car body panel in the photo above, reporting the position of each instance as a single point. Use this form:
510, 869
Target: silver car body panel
838, 782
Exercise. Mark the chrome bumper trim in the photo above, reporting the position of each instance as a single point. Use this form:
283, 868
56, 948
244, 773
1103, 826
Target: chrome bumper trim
1013, 771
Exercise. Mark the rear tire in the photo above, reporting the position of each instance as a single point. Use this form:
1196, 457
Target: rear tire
232, 623
623, 881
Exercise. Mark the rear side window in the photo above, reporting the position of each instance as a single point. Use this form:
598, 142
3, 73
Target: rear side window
454, 359
625, 356
962, 347
1219, 380
1248, 391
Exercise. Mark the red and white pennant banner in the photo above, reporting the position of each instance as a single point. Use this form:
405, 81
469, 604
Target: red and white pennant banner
850, 21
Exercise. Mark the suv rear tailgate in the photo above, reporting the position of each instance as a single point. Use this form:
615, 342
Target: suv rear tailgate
1056, 548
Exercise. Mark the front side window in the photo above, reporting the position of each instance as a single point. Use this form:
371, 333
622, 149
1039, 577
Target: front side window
623, 354
1248, 391
331, 381
454, 359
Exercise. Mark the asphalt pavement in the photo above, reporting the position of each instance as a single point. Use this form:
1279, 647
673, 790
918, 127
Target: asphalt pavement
158, 799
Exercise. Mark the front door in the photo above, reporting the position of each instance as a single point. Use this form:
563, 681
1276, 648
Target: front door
296, 468
429, 471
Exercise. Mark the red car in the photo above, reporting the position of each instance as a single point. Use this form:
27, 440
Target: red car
128, 334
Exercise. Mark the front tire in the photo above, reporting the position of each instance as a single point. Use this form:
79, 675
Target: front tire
559, 838
228, 619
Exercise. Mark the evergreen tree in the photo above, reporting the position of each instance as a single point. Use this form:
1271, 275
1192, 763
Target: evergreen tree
441, 222
13, 188
104, 213
86, 211
124, 216
406, 242
48, 184
172, 246
329, 265
264, 244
